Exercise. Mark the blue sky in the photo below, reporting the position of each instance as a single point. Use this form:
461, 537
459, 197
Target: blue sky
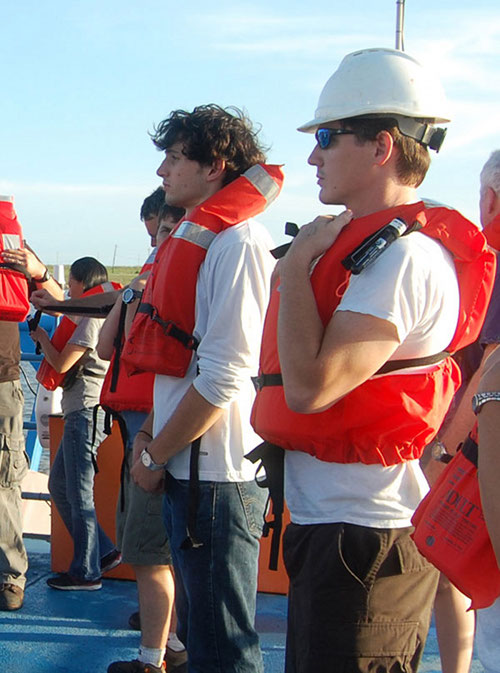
84, 81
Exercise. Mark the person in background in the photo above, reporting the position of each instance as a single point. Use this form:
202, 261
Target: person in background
13, 460
71, 480
455, 623
488, 619
487, 404
140, 530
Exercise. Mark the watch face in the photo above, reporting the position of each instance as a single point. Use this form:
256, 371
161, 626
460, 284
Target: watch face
128, 295
146, 458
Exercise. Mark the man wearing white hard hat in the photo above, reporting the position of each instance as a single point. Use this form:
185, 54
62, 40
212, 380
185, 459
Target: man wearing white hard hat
355, 376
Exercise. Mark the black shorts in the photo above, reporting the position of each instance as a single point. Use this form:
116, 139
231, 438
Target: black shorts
360, 599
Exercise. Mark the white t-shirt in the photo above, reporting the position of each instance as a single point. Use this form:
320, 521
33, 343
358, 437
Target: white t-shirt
232, 294
414, 286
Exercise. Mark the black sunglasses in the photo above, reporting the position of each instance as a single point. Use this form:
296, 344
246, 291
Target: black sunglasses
324, 136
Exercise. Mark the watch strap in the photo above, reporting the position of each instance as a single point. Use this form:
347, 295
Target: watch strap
46, 276
150, 463
481, 398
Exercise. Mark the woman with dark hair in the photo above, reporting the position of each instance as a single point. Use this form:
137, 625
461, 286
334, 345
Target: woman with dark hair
71, 481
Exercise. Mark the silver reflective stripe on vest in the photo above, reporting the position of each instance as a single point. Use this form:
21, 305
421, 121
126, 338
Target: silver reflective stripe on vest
195, 233
263, 182
11, 241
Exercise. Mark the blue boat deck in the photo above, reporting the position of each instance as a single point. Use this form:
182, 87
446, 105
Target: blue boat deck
82, 632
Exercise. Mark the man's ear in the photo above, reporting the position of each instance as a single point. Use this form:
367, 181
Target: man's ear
490, 212
384, 147
491, 202
216, 170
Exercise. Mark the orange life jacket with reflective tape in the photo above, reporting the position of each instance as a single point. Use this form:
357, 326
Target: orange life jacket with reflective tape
390, 418
14, 304
161, 339
148, 264
46, 374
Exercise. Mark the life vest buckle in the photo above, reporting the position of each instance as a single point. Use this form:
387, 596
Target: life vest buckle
258, 383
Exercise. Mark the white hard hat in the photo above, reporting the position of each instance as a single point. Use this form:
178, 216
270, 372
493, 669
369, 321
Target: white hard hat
380, 82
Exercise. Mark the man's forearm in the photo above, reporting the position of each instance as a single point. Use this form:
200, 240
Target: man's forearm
192, 418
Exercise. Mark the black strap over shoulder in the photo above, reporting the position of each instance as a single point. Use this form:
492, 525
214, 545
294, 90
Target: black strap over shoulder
118, 344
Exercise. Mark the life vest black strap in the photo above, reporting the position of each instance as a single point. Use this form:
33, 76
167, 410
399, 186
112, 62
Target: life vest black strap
18, 268
191, 541
109, 417
80, 310
265, 380
426, 360
32, 325
118, 344
169, 327
272, 459
469, 450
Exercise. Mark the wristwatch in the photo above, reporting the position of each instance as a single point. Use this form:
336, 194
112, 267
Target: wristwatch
480, 398
439, 452
147, 461
46, 276
129, 295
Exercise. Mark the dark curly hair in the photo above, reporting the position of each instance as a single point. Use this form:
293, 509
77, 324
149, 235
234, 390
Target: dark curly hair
413, 159
211, 132
152, 204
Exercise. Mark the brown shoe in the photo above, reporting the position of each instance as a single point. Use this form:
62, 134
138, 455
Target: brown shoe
176, 661
11, 597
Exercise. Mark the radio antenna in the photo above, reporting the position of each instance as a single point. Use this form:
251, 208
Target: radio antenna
400, 22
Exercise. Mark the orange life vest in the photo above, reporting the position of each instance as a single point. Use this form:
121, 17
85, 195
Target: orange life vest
492, 232
161, 339
135, 395
389, 418
148, 264
46, 374
450, 530
14, 304
127, 397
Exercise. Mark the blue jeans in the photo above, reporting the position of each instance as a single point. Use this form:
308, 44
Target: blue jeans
71, 485
216, 584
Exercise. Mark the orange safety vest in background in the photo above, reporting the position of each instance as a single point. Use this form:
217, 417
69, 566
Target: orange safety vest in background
450, 530
14, 304
390, 418
126, 397
161, 339
131, 394
46, 374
